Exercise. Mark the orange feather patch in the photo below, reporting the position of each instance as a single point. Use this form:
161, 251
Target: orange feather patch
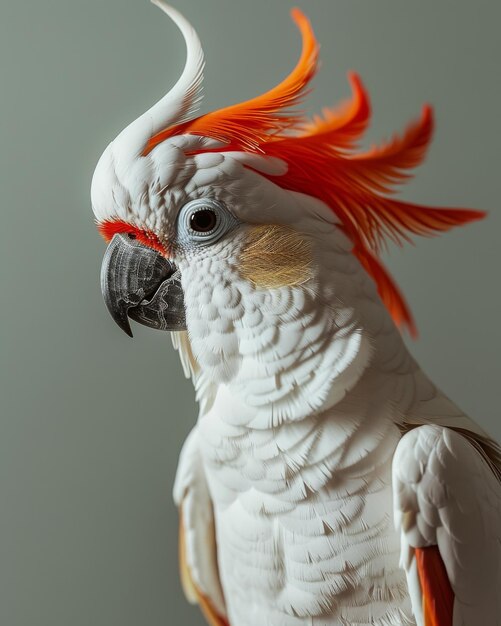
108, 228
438, 597
322, 163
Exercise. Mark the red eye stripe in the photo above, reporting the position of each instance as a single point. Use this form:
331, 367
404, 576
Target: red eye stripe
108, 228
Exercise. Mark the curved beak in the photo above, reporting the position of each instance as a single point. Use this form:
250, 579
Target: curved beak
138, 282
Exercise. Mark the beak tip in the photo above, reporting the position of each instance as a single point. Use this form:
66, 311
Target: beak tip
125, 326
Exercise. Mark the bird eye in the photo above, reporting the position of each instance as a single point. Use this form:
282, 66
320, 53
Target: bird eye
203, 220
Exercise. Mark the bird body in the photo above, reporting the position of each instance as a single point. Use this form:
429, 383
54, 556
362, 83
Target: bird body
327, 480
304, 509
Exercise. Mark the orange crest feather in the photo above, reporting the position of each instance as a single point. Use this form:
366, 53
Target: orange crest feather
322, 164
251, 123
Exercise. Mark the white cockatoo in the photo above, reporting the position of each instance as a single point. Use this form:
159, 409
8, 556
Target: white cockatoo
327, 480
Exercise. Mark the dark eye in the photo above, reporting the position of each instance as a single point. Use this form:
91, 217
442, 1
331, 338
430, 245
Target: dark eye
203, 221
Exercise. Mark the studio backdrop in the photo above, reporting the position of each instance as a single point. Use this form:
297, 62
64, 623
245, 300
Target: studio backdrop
91, 421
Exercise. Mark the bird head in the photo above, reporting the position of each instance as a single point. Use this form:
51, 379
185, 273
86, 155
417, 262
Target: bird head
256, 230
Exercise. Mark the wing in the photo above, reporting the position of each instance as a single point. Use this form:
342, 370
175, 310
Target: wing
447, 505
197, 540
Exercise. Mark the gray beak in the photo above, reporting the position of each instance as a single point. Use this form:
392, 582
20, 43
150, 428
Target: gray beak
140, 283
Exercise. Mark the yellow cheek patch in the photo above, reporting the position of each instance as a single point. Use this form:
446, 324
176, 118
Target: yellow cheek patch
276, 256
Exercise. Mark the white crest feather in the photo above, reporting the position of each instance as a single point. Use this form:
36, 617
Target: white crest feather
178, 105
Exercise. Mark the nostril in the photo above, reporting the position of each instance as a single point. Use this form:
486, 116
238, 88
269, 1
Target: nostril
132, 235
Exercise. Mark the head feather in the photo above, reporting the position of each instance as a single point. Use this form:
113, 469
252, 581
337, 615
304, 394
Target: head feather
250, 124
178, 105
322, 163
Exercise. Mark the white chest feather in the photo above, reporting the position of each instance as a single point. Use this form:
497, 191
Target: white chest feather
304, 518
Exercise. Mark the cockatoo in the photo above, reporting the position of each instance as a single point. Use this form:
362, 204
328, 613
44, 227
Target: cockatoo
327, 480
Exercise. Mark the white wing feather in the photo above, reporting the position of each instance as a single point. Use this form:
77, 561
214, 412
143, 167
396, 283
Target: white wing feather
191, 494
445, 494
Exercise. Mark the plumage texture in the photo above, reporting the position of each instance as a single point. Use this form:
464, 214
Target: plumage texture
197, 546
321, 162
323, 459
274, 256
447, 496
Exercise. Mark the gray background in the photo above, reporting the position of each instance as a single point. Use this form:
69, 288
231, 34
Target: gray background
91, 421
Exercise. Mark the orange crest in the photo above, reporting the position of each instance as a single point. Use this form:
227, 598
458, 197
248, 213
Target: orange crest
322, 162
